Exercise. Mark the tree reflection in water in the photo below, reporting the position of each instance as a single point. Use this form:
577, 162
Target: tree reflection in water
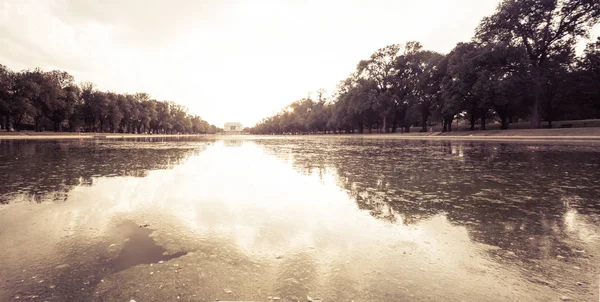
45, 170
442, 215
517, 197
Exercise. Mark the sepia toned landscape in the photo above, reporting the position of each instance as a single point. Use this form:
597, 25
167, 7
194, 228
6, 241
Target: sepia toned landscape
300, 150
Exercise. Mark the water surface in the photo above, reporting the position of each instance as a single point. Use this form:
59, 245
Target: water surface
340, 219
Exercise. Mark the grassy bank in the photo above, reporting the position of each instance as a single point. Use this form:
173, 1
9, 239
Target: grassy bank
70, 135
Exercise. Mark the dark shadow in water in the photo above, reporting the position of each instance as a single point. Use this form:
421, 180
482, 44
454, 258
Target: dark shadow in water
140, 248
85, 264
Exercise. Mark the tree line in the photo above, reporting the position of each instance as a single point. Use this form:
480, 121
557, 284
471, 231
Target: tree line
39, 100
520, 65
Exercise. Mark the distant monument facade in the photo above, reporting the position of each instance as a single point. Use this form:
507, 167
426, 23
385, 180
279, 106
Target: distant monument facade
233, 128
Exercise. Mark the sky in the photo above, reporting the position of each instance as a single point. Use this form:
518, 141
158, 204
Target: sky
226, 60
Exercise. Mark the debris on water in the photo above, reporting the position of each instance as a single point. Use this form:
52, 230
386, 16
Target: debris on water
227, 291
566, 298
131, 300
177, 268
151, 273
313, 299
560, 257
579, 283
278, 256
542, 281
161, 262
511, 254
145, 225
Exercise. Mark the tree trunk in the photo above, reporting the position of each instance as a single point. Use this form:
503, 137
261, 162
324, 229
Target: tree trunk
503, 123
17, 122
37, 121
385, 130
424, 117
550, 115
536, 110
472, 121
448, 124
536, 118
482, 122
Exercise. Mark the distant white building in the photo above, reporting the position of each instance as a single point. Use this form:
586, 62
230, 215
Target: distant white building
233, 128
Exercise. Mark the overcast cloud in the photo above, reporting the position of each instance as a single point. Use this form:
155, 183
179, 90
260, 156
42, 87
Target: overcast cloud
226, 60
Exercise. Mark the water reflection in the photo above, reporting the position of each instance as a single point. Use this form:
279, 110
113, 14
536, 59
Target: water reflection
232, 142
340, 219
48, 170
530, 202
508, 195
139, 248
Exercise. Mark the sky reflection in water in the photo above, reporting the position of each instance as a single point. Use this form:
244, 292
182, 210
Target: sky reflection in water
379, 219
